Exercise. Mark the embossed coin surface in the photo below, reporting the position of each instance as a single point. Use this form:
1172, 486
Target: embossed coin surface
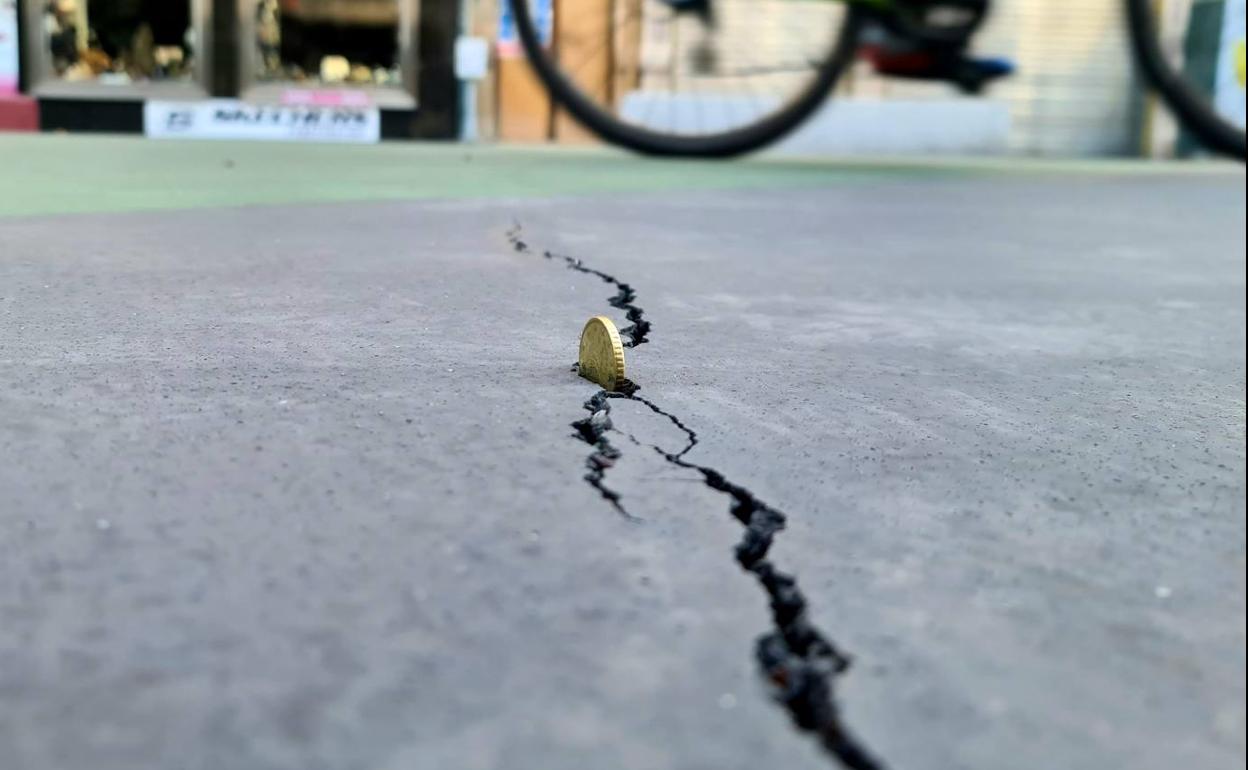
602, 353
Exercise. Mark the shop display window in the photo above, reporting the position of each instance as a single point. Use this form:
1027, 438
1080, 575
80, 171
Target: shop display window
328, 42
118, 42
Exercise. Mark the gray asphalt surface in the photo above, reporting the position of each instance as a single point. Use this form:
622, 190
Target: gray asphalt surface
289, 488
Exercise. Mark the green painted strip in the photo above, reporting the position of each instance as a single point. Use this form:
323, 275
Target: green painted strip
72, 174
58, 174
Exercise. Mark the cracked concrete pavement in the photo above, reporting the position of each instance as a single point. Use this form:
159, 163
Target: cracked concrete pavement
296, 487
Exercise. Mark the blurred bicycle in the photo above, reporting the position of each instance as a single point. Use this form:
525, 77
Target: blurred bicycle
716, 78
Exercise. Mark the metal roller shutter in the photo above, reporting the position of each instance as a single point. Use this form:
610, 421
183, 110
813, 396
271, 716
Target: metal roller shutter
1075, 90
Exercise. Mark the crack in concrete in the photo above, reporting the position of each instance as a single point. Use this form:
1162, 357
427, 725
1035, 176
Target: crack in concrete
593, 430
797, 659
638, 330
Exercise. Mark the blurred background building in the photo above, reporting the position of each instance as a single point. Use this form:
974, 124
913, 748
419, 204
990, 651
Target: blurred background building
92, 65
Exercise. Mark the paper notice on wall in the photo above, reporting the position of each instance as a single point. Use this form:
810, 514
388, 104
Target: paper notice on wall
1230, 84
231, 119
8, 48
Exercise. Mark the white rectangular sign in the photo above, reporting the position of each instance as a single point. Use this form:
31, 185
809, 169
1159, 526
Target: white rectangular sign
472, 58
232, 119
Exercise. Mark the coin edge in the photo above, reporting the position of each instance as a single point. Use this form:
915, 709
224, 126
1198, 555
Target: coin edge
617, 348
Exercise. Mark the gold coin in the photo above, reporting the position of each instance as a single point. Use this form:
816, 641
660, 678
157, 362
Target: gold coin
602, 353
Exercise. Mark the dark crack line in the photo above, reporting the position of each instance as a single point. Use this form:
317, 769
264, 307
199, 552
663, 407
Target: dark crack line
691, 437
594, 430
796, 658
638, 330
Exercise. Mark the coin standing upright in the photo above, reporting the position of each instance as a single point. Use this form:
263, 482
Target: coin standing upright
601, 357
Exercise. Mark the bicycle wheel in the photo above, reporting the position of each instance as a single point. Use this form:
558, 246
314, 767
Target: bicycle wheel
703, 78
1193, 58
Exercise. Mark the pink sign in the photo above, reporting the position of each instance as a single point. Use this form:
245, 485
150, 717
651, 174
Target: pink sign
325, 97
8, 47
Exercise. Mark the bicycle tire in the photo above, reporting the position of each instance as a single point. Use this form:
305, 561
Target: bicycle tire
738, 141
1192, 109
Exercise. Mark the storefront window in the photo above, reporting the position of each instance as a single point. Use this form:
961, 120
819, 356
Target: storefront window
119, 41
328, 42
